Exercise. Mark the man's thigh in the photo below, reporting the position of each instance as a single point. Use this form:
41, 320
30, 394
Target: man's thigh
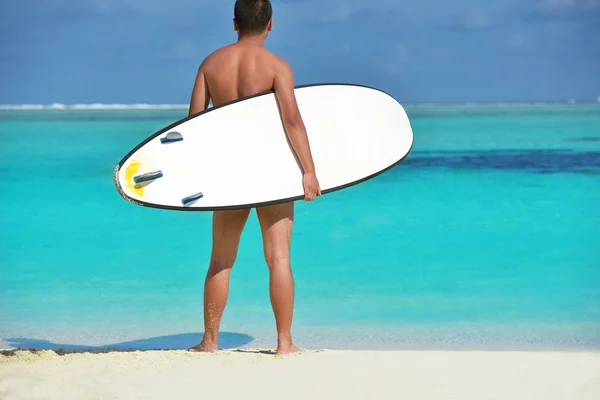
227, 229
276, 226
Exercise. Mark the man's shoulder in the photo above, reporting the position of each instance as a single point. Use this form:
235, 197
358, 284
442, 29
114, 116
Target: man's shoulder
216, 54
278, 62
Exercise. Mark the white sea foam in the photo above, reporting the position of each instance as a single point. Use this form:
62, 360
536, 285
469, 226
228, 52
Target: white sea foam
94, 106
145, 106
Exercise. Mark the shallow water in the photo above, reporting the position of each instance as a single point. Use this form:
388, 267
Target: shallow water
487, 235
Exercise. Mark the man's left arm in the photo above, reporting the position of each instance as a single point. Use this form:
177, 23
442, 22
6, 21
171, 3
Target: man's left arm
200, 94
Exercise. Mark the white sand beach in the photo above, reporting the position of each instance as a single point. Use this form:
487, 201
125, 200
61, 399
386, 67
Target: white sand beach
326, 374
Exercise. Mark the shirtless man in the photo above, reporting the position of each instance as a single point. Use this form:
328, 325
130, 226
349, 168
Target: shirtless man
241, 69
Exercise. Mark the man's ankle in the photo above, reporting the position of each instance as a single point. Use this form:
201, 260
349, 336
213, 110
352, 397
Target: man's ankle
209, 339
284, 338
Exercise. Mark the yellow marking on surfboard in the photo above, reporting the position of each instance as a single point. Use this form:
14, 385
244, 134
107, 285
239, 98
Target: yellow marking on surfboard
131, 170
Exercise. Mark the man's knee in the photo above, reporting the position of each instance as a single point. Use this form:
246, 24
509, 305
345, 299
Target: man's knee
276, 261
277, 253
220, 264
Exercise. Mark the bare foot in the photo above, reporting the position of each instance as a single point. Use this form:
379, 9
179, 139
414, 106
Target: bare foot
204, 348
288, 349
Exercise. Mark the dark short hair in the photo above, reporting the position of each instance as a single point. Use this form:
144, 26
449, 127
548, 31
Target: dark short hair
252, 16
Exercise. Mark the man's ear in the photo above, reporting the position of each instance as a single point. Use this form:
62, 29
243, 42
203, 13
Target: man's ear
235, 26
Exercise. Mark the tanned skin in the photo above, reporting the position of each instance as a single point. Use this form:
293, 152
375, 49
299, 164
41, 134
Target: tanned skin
242, 69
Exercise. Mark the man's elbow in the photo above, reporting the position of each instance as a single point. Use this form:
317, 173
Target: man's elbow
293, 121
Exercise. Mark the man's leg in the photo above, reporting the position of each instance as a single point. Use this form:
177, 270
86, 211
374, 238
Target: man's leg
276, 227
226, 232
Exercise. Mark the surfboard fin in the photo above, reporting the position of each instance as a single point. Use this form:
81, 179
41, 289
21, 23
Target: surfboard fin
148, 176
191, 198
172, 137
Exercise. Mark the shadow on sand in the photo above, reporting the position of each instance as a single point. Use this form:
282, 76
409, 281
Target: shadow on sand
227, 340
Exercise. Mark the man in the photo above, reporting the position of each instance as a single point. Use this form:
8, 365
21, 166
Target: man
241, 69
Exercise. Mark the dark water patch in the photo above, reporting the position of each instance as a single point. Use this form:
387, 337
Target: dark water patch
501, 111
590, 139
528, 161
491, 152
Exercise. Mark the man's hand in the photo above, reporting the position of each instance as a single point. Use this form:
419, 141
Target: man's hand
311, 186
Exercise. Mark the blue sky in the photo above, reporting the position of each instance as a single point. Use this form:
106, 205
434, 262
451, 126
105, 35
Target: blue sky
148, 51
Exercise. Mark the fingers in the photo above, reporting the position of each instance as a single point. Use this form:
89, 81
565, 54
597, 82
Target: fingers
307, 195
316, 191
311, 194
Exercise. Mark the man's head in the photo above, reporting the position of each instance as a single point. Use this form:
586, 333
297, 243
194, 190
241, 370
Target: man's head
252, 17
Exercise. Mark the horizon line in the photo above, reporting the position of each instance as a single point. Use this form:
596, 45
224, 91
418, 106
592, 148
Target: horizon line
174, 106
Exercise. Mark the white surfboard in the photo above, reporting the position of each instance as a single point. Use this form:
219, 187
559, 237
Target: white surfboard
237, 155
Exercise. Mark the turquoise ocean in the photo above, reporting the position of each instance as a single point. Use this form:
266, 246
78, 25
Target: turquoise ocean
486, 236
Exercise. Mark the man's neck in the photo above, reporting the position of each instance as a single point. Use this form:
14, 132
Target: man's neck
257, 40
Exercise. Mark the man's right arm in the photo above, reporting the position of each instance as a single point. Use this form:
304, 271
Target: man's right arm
283, 86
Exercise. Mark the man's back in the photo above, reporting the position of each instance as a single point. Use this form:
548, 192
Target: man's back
239, 70
243, 69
